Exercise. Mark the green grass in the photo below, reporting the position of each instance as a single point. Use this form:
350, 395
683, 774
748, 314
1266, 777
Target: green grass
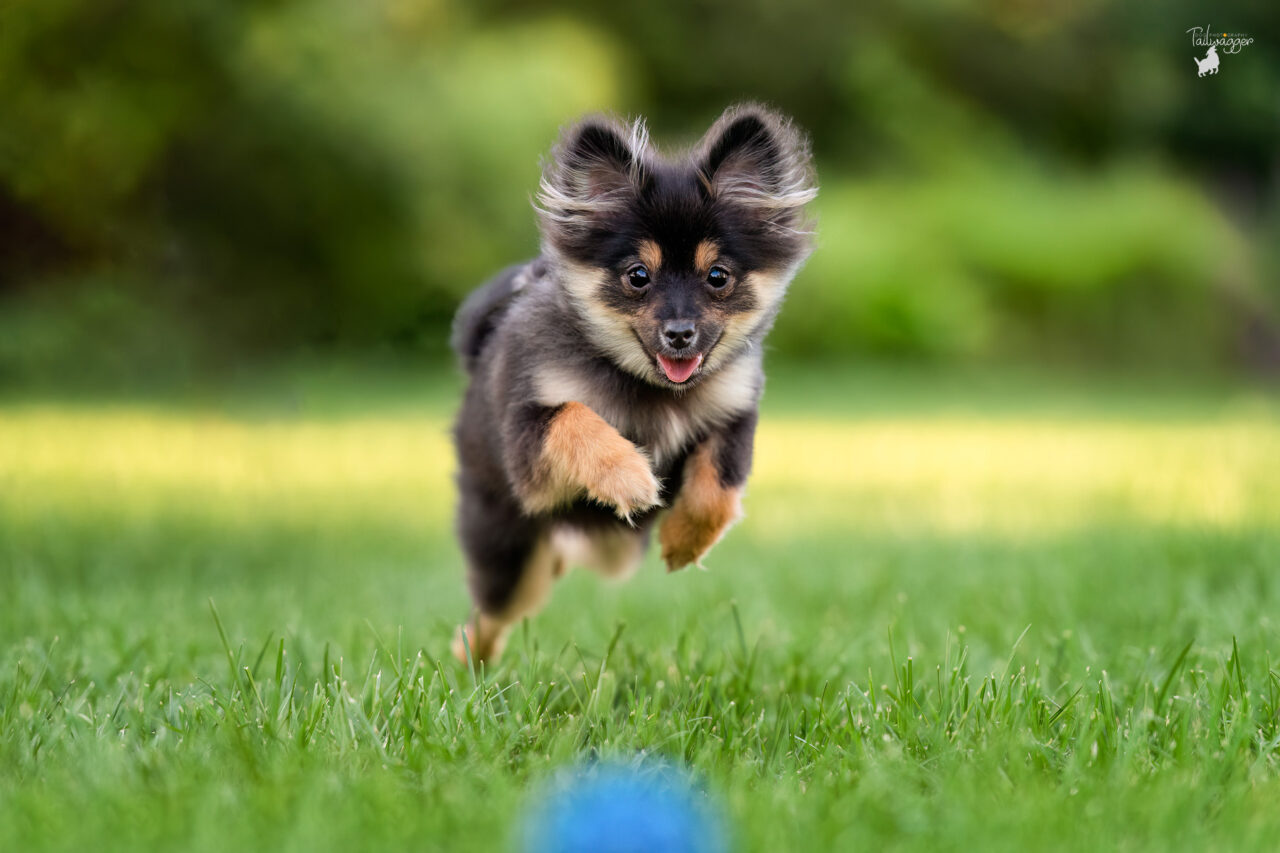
961, 614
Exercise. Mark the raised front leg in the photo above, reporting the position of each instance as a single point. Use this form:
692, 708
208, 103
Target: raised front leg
710, 497
558, 454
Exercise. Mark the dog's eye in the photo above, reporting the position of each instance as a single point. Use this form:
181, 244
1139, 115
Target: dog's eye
718, 277
638, 276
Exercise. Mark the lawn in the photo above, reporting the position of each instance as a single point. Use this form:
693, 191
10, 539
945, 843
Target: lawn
962, 613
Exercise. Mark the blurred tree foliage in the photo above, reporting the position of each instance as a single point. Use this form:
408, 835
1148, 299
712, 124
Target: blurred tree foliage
208, 182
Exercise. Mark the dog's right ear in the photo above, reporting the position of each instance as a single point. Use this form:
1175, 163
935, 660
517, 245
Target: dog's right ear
596, 168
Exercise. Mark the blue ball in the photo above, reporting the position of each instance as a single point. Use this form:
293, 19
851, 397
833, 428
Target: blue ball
615, 808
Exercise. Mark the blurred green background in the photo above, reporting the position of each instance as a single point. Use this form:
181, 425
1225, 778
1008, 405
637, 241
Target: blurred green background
192, 187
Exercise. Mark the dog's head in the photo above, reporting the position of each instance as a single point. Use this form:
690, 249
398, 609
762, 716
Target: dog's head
675, 266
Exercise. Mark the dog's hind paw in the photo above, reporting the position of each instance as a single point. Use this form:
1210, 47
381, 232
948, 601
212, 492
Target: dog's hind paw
482, 638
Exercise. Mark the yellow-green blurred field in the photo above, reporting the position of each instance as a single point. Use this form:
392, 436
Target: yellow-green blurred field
946, 601
940, 472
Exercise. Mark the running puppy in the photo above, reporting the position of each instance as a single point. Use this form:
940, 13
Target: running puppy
615, 379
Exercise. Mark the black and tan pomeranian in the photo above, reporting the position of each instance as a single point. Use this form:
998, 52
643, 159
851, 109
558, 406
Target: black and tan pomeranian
615, 379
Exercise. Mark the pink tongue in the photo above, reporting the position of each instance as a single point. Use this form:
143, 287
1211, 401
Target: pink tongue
679, 369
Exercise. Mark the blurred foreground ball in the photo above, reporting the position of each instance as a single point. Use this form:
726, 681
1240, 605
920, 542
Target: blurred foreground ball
614, 808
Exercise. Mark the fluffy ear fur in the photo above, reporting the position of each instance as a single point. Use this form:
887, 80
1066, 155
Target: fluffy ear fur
755, 158
596, 168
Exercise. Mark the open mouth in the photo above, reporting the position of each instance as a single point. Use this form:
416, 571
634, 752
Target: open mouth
679, 370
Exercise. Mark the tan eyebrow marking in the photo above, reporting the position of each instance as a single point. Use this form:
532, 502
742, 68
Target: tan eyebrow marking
707, 253
650, 254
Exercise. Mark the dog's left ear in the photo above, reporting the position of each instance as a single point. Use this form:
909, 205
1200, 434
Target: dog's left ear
756, 158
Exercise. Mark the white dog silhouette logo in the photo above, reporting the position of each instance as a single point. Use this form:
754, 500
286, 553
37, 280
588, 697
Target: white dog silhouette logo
1208, 65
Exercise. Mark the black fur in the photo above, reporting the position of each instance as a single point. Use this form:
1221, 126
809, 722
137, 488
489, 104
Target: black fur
481, 312
571, 327
733, 457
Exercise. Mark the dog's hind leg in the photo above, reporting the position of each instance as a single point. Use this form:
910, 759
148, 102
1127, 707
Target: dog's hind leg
511, 565
485, 634
612, 551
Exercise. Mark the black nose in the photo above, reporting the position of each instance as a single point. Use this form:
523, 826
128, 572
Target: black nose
679, 333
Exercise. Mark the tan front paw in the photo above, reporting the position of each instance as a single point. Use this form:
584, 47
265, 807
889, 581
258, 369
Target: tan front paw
700, 515
626, 483
679, 543
582, 451
686, 539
